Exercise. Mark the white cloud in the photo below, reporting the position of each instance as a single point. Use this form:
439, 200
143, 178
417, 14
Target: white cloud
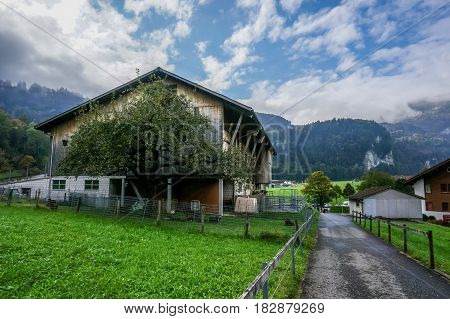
100, 33
419, 75
290, 6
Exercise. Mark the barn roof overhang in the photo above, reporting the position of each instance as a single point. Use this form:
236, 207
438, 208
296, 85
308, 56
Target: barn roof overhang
47, 125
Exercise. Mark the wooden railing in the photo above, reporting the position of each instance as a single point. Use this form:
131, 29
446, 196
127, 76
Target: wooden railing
260, 282
358, 217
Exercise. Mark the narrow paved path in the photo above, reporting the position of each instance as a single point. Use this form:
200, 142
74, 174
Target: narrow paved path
348, 262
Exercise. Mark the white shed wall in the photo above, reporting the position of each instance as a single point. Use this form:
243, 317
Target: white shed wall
393, 204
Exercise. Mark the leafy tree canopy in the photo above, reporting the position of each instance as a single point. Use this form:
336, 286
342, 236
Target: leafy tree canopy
375, 178
155, 132
318, 188
348, 190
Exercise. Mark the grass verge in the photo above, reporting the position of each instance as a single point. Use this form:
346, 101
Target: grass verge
48, 254
418, 244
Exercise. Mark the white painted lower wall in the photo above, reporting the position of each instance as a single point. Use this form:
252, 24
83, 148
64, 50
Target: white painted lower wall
73, 185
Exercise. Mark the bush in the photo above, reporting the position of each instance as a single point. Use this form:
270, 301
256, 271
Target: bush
340, 209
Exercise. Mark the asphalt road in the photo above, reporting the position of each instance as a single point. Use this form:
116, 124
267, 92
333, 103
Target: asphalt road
350, 263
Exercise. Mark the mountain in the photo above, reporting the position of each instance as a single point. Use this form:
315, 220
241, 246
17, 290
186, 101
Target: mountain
343, 148
36, 103
422, 140
346, 148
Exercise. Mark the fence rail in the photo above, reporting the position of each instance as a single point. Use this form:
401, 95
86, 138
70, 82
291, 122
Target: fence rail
260, 282
404, 227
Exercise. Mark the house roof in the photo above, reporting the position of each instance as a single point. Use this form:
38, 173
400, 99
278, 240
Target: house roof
428, 171
376, 190
158, 72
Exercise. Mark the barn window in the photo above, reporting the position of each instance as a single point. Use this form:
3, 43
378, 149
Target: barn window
59, 184
445, 207
91, 184
444, 188
428, 188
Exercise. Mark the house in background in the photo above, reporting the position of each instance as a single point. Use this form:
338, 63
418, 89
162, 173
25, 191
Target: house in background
235, 124
434, 185
386, 202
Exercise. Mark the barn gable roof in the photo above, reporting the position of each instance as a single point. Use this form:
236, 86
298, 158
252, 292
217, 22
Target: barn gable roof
428, 171
374, 191
47, 125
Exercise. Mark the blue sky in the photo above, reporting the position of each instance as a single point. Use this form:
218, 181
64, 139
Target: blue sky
266, 53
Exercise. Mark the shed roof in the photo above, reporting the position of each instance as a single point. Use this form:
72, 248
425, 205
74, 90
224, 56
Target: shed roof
428, 171
47, 125
376, 190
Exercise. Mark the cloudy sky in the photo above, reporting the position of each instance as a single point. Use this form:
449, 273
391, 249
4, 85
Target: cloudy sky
268, 54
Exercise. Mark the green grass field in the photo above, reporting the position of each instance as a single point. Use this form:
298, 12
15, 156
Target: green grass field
67, 255
14, 174
289, 191
418, 244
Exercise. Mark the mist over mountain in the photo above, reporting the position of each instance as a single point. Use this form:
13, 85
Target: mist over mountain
35, 103
343, 148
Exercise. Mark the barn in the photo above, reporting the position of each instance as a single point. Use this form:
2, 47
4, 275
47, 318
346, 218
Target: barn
235, 125
386, 202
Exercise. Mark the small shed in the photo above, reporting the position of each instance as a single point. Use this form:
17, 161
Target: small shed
387, 203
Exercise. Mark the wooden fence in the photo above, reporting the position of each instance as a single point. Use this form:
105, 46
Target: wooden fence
358, 217
260, 282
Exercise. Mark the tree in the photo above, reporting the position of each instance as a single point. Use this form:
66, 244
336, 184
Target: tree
400, 185
348, 190
374, 179
318, 188
26, 162
336, 192
160, 133
4, 162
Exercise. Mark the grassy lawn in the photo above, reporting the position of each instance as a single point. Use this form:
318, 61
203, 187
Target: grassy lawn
289, 191
5, 175
66, 255
63, 254
418, 244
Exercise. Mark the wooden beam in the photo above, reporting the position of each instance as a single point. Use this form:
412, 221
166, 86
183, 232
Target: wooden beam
236, 130
136, 191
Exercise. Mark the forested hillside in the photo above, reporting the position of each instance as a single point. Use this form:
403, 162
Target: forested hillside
36, 103
21, 146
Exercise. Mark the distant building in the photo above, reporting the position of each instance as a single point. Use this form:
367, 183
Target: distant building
434, 185
387, 203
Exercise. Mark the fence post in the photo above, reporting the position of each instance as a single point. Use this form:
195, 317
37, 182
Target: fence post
246, 225
265, 289
117, 207
360, 219
38, 195
389, 232
10, 197
405, 245
203, 220
378, 227
431, 248
79, 204
370, 223
158, 216
293, 258
365, 221
299, 235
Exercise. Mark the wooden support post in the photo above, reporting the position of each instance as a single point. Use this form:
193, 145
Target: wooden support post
293, 258
389, 233
405, 245
122, 192
10, 197
360, 219
379, 232
246, 225
203, 220
79, 204
365, 220
431, 248
221, 196
265, 288
169, 195
370, 223
158, 216
117, 207
38, 196
236, 130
